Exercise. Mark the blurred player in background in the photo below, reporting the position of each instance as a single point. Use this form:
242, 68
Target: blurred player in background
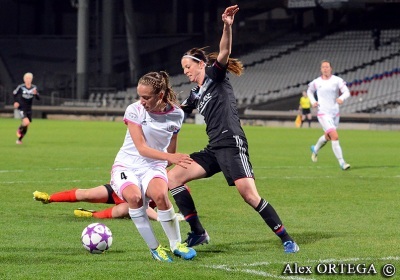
23, 97
227, 150
305, 109
99, 194
331, 92
139, 170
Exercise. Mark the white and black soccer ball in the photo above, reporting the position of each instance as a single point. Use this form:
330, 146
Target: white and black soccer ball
96, 238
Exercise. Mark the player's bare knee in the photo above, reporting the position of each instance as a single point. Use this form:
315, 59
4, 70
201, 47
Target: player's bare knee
162, 201
134, 199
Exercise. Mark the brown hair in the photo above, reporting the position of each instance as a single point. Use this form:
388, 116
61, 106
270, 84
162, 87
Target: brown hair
160, 83
326, 61
235, 66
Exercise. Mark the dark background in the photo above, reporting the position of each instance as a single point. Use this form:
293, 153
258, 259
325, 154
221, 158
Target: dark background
40, 36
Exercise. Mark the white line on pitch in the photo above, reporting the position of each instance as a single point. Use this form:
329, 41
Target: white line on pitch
262, 273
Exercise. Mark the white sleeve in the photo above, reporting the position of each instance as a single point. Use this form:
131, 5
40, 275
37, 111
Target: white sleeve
310, 92
134, 114
345, 92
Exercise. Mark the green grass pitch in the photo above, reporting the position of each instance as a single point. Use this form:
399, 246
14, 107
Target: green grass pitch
336, 217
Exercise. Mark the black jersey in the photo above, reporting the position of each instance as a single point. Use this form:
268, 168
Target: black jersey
24, 96
215, 100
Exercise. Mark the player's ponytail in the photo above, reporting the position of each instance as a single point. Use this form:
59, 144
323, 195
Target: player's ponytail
235, 66
169, 95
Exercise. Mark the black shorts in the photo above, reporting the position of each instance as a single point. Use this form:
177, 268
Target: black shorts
230, 156
25, 114
306, 111
110, 191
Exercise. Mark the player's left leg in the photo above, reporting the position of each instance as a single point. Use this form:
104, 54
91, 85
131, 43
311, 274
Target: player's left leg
177, 177
23, 128
157, 190
248, 190
337, 149
97, 194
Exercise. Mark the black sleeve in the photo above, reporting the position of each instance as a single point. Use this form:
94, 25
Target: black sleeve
17, 96
189, 104
187, 107
218, 72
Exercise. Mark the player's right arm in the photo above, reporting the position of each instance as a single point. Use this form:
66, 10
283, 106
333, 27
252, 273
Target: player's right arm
16, 96
310, 93
144, 150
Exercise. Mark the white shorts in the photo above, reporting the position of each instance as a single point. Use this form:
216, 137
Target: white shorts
121, 177
329, 123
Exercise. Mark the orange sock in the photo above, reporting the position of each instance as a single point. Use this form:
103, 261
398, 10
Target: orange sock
65, 196
104, 214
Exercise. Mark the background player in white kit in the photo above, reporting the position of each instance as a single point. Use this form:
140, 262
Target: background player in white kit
139, 170
331, 91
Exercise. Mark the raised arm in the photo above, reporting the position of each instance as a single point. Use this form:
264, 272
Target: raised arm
225, 45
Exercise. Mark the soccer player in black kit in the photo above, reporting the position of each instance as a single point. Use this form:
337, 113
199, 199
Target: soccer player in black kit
227, 150
23, 97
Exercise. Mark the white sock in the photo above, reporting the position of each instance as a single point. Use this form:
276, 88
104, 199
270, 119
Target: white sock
320, 143
142, 223
337, 150
170, 225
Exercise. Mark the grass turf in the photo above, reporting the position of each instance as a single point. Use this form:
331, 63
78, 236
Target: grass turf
335, 216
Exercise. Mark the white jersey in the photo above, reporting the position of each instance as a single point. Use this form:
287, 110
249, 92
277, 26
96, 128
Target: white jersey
327, 93
158, 129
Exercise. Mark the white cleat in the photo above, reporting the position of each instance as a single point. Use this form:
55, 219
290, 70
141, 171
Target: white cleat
345, 166
314, 156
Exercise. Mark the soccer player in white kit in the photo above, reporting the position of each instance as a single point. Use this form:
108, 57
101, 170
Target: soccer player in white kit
331, 91
139, 170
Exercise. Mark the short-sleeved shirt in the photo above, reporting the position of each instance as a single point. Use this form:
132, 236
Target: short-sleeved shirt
227, 150
215, 100
305, 103
158, 129
24, 96
327, 92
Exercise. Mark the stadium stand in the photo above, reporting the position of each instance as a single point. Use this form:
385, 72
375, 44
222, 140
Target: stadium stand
352, 56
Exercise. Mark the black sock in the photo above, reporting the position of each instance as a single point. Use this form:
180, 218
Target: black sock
271, 218
185, 203
23, 130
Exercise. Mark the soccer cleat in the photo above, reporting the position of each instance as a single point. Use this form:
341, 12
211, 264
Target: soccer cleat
18, 133
197, 239
290, 247
83, 213
18, 142
345, 166
184, 252
314, 156
160, 254
41, 196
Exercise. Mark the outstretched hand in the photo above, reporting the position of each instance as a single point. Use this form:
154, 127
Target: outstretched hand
229, 15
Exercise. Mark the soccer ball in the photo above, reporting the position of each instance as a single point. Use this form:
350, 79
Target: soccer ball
96, 238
